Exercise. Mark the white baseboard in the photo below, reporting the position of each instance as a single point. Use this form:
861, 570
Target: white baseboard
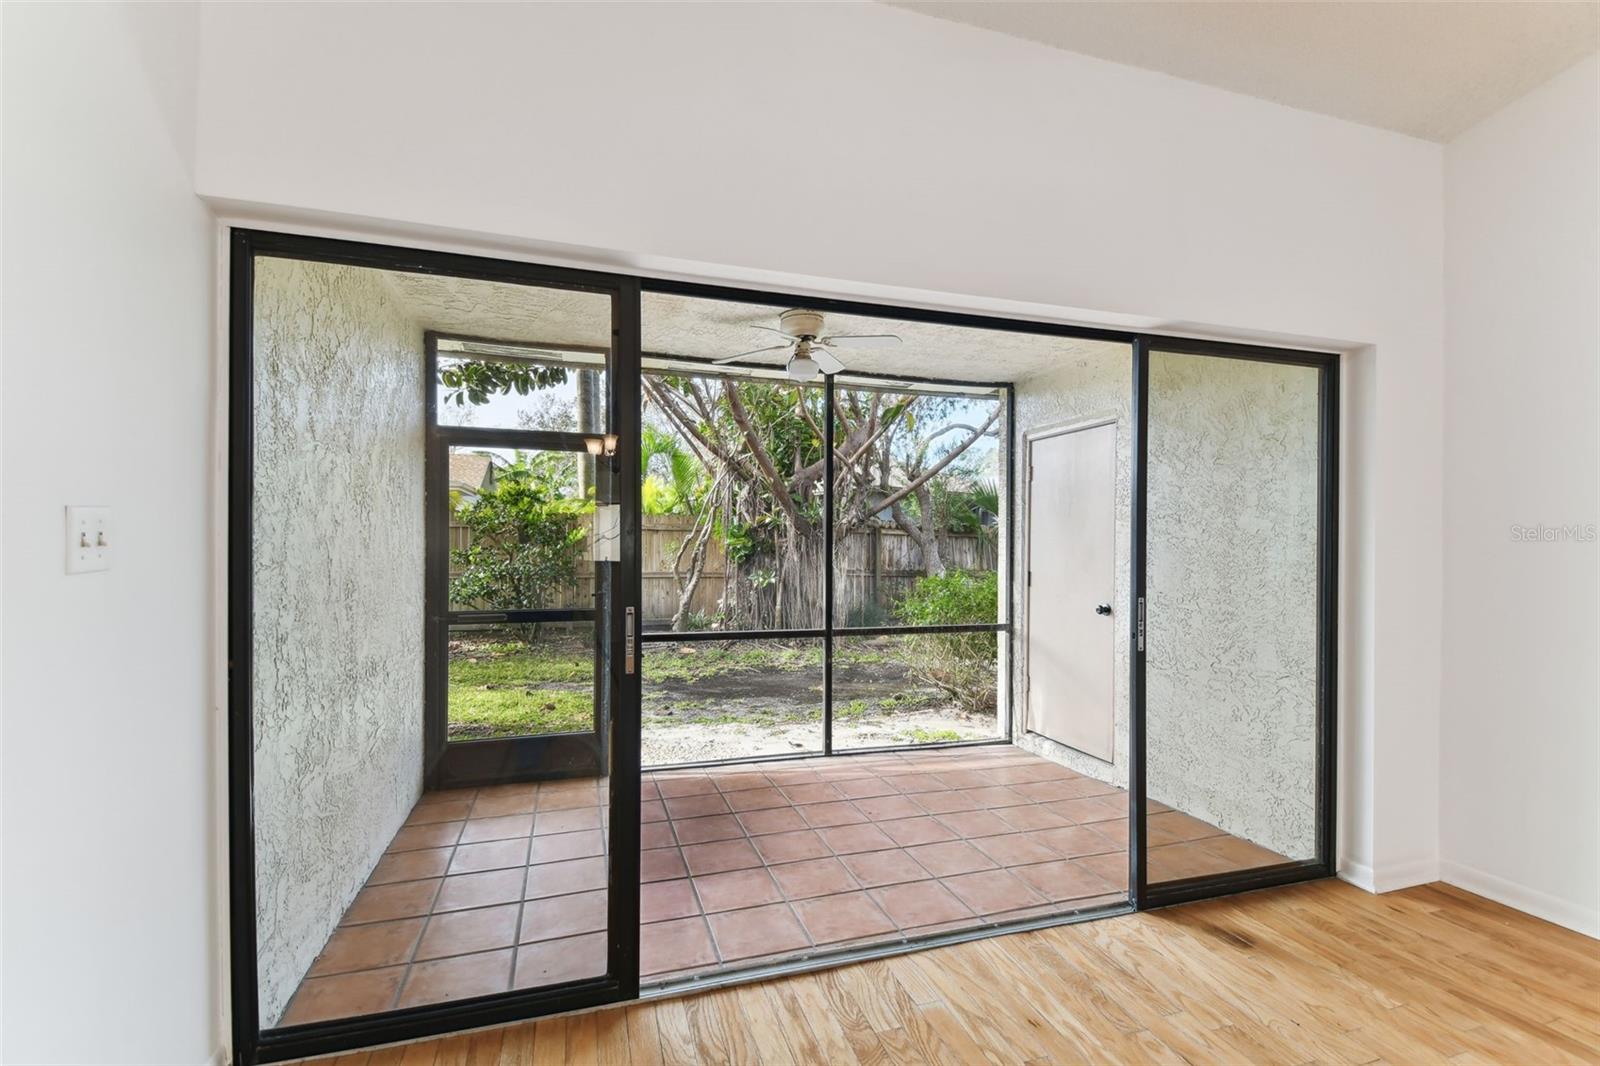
1390, 878
1357, 873
1565, 912
1398, 875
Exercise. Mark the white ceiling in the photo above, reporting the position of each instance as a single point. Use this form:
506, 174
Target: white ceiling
712, 329
1426, 69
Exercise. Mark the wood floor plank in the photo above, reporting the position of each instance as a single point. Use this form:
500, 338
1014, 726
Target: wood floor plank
1315, 973
993, 1024
583, 1039
484, 1048
453, 1050
644, 1042
422, 1053
677, 1034
611, 1038
390, 1056
829, 994
815, 1038
517, 1049
955, 1045
768, 1033
718, 1027
550, 1042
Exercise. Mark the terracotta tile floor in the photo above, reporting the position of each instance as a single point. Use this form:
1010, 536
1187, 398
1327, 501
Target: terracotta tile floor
761, 861
482, 890
490, 889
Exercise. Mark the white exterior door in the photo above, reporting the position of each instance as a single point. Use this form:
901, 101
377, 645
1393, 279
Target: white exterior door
1072, 620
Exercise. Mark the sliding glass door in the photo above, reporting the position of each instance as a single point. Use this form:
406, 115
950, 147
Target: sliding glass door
1234, 624
433, 685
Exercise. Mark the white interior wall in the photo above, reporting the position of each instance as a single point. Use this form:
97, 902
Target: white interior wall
1519, 794
111, 950
338, 598
1023, 177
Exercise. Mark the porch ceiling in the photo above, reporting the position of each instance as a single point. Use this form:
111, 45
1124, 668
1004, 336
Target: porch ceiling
710, 329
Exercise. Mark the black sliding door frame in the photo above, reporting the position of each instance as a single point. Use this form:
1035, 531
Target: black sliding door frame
619, 652
1145, 895
250, 1043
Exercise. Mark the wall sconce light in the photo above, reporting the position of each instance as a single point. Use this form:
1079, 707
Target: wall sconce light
606, 445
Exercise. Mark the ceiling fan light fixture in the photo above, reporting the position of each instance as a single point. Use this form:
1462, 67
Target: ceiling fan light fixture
803, 368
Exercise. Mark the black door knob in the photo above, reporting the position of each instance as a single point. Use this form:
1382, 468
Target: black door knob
1104, 608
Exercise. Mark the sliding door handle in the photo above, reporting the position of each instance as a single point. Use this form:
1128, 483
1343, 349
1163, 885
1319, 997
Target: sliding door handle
629, 642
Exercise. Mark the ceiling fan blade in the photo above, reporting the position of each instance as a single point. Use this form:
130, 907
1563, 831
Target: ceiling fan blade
826, 361
746, 355
863, 340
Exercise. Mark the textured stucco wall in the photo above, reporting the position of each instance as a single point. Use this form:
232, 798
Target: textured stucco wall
1231, 663
338, 583
1093, 382
1231, 597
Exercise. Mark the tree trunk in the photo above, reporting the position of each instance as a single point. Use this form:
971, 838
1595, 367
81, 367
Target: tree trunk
793, 599
697, 566
587, 407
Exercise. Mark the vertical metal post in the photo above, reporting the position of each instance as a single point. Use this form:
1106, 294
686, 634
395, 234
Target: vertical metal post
624, 408
243, 983
1138, 866
1328, 617
1013, 562
827, 567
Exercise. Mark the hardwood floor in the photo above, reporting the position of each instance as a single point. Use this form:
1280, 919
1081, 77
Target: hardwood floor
1314, 973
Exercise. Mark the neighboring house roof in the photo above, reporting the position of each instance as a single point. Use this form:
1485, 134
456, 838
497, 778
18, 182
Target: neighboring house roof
471, 472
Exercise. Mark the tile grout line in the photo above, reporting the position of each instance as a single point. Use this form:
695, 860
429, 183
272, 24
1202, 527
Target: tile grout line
522, 896
427, 919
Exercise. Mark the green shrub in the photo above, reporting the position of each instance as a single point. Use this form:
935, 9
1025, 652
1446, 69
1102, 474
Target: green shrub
952, 598
959, 664
527, 538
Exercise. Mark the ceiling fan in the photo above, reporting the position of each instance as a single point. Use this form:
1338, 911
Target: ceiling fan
808, 345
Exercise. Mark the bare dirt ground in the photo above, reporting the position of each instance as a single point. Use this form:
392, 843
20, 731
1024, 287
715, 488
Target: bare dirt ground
746, 713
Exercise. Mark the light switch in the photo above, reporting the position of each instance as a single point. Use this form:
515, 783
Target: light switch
88, 539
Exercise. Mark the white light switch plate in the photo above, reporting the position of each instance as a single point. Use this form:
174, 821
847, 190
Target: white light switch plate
88, 539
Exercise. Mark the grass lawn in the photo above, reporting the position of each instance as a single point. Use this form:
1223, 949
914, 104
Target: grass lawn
501, 686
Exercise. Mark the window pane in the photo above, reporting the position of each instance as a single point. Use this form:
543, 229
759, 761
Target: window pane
923, 688
520, 525
1231, 669
732, 503
512, 386
521, 680
734, 699
918, 506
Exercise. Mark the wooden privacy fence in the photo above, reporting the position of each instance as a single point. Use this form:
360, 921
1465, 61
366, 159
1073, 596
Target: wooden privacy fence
872, 566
